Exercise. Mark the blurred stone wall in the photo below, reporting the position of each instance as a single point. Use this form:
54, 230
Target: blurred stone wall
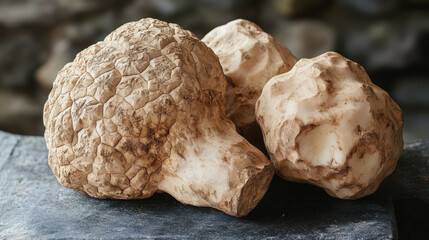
390, 38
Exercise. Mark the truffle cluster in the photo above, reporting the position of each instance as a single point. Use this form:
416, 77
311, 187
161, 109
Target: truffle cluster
152, 109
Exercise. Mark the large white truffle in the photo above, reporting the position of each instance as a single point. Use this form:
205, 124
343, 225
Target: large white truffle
249, 58
143, 112
325, 123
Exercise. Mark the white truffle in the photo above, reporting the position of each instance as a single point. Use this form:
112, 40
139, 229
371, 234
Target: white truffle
325, 123
249, 58
143, 112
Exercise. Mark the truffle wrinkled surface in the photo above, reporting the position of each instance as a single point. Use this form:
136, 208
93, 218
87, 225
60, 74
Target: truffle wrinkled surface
143, 112
325, 123
249, 58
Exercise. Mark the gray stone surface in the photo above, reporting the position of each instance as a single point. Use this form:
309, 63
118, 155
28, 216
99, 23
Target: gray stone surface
408, 189
33, 205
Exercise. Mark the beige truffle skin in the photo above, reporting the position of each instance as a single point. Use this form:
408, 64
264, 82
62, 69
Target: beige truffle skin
143, 112
325, 123
249, 58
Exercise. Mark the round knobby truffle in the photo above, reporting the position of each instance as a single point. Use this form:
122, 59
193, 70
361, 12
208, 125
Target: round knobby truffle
325, 123
249, 58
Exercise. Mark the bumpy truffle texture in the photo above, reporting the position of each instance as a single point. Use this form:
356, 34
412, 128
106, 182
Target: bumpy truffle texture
143, 112
249, 58
325, 123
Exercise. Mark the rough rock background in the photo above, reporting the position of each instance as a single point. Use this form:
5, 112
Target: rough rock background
389, 38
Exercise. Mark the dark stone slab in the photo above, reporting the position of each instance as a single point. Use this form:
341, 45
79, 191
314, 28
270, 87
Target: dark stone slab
34, 205
408, 189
